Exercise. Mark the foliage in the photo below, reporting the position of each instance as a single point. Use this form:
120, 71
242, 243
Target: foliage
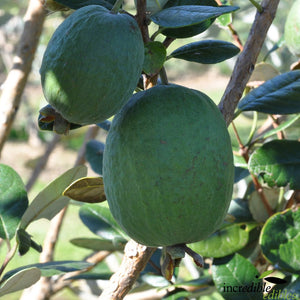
258, 243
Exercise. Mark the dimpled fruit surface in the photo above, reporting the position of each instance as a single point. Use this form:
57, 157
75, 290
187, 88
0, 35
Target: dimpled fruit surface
168, 166
92, 64
292, 29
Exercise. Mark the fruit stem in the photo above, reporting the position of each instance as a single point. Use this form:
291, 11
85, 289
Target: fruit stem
117, 6
198, 259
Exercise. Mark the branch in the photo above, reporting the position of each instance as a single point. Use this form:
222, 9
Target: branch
16, 80
247, 59
134, 261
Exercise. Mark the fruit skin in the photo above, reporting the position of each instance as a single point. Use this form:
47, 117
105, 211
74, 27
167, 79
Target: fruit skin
92, 64
292, 29
168, 166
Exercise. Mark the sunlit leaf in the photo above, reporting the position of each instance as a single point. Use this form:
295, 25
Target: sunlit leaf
86, 189
20, 280
51, 268
224, 241
277, 163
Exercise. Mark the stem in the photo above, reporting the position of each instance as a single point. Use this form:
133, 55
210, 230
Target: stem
117, 6
163, 76
247, 59
257, 5
8, 258
134, 261
253, 128
141, 19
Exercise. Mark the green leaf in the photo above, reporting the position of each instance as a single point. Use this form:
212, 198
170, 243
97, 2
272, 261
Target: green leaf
50, 200
87, 189
97, 244
13, 201
280, 240
225, 241
177, 294
206, 52
224, 20
91, 276
76, 4
155, 56
188, 20
277, 163
239, 209
94, 155
236, 278
240, 173
20, 280
279, 95
51, 268
98, 218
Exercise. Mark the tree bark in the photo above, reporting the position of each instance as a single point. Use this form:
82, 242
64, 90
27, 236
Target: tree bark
14, 85
134, 261
247, 59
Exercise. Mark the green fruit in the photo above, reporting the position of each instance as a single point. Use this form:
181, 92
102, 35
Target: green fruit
292, 29
92, 64
168, 166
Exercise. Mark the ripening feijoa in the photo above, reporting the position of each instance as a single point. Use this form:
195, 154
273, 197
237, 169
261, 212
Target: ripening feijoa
168, 166
92, 64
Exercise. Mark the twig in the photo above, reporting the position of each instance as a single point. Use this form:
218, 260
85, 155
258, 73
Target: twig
247, 59
16, 80
134, 261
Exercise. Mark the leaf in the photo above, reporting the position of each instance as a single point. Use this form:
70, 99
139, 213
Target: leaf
94, 155
236, 278
13, 201
280, 240
293, 289
239, 209
87, 189
240, 173
155, 56
262, 72
105, 125
91, 276
50, 200
256, 206
97, 244
224, 20
206, 52
81, 3
177, 294
51, 268
225, 241
188, 20
20, 280
100, 221
279, 95
277, 163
